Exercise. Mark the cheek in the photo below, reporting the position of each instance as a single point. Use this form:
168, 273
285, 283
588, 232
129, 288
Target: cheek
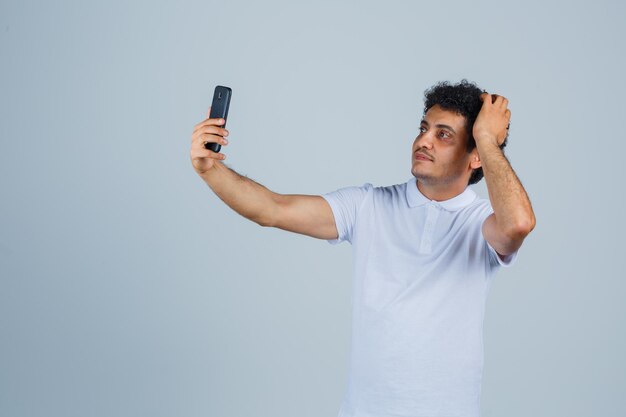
460, 153
452, 157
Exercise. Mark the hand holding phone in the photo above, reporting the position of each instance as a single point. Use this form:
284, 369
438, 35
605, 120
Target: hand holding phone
209, 135
219, 109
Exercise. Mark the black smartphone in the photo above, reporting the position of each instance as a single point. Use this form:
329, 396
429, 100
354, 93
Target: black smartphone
219, 109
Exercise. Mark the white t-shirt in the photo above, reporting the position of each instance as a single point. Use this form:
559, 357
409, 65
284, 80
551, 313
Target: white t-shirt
421, 274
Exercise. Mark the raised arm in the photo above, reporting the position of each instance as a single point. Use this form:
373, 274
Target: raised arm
305, 214
513, 217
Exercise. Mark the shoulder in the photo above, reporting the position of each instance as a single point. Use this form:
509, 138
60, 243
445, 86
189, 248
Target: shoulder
350, 192
389, 193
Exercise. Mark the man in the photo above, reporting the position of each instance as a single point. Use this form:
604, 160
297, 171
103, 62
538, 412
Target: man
425, 252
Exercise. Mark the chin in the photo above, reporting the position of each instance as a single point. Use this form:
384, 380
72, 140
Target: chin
421, 177
417, 169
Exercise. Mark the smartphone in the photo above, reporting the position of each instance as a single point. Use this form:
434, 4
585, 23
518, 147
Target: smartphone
219, 109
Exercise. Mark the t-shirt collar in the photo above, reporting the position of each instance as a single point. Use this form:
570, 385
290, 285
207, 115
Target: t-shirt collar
415, 197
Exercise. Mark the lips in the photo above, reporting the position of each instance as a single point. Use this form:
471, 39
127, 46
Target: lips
422, 157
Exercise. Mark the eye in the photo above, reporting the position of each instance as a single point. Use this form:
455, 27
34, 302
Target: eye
422, 129
444, 135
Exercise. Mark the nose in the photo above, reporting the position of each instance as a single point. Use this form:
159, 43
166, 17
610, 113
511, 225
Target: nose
424, 141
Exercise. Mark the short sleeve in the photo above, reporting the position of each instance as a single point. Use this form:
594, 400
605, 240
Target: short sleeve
345, 203
496, 260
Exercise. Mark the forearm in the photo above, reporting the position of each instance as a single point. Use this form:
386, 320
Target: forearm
511, 205
247, 197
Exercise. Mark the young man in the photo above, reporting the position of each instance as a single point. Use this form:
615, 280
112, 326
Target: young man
425, 252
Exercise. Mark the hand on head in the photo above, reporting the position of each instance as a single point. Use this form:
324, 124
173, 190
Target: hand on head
493, 119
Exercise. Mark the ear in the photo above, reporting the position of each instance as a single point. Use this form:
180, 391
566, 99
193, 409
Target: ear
475, 159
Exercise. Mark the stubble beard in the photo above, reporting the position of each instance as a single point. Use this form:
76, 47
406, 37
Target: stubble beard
428, 179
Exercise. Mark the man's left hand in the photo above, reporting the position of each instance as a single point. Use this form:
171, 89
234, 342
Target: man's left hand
493, 119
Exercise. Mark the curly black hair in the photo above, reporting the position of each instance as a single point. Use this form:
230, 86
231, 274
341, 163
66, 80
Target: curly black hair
464, 99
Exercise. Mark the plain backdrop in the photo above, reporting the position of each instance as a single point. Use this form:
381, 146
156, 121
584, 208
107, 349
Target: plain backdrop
129, 289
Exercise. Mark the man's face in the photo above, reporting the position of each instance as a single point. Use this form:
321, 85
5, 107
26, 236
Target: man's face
439, 154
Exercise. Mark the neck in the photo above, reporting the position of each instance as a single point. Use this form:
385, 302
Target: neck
440, 192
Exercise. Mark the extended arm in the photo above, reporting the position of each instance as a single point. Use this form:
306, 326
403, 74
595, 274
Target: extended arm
247, 197
304, 214
310, 215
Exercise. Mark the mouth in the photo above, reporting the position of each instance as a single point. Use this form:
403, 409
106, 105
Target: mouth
421, 157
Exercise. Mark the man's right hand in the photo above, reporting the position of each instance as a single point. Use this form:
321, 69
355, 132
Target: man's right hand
208, 130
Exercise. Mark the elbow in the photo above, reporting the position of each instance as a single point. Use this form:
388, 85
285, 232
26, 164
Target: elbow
267, 220
522, 227
263, 223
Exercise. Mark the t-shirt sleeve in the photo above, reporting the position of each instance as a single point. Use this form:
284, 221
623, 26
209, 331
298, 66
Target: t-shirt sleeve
345, 203
494, 258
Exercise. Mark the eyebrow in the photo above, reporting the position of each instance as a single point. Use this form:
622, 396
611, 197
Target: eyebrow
439, 125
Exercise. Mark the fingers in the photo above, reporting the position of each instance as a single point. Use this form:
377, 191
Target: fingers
198, 142
209, 133
500, 101
214, 155
210, 122
211, 129
200, 139
496, 99
202, 152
